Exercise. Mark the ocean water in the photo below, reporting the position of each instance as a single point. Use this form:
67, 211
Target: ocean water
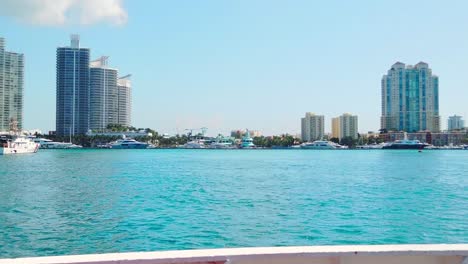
60, 202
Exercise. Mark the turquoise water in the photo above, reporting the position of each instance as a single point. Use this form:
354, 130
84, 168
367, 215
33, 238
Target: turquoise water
60, 202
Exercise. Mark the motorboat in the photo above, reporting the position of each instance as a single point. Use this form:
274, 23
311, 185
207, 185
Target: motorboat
49, 144
194, 144
17, 145
247, 141
128, 143
222, 143
322, 144
405, 144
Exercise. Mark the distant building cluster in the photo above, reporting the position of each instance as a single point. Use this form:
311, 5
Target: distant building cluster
90, 95
313, 127
410, 103
345, 125
11, 88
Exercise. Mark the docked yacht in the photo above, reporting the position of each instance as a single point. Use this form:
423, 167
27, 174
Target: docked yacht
127, 143
405, 144
222, 143
247, 141
17, 145
49, 144
194, 144
321, 144
371, 146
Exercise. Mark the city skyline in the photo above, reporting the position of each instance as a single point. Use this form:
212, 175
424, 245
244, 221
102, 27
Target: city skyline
198, 74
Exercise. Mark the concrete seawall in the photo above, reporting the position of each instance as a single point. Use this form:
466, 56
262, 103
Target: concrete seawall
381, 254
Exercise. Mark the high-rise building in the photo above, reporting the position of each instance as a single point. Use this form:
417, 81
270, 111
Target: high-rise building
335, 127
312, 127
104, 108
410, 99
345, 125
124, 95
11, 88
455, 123
73, 93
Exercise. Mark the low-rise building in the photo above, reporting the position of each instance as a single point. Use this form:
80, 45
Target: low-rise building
131, 134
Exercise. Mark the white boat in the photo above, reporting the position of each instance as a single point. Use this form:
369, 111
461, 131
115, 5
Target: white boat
371, 146
194, 144
49, 144
17, 145
247, 141
222, 143
322, 144
128, 143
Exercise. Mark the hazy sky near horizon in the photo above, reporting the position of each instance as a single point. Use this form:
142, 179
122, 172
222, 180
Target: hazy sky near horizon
257, 64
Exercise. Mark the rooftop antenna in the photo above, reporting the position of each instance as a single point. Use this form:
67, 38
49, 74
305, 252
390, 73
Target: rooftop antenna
75, 41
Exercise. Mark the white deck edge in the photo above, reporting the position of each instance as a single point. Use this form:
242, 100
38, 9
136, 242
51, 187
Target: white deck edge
241, 253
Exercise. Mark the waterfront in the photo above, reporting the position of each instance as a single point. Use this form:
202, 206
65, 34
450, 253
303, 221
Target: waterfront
59, 202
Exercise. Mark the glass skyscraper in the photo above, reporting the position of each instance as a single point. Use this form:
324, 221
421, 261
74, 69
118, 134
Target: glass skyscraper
11, 88
73, 89
410, 99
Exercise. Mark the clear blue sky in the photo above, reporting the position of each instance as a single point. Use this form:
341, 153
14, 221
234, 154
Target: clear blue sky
249, 64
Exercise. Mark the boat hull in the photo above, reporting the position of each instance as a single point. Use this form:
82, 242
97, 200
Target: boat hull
395, 146
130, 146
19, 150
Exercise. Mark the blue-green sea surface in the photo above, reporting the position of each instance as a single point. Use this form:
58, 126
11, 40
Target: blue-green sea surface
60, 202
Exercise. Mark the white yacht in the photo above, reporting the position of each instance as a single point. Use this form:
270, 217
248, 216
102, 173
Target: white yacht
17, 145
247, 141
371, 146
194, 144
222, 143
49, 144
322, 144
128, 143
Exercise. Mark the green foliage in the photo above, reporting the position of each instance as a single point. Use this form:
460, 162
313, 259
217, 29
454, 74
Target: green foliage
335, 140
275, 141
349, 141
117, 128
465, 140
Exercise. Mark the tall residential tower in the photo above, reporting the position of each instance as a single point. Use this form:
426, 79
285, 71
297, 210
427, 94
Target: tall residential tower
455, 123
312, 127
410, 99
124, 95
345, 125
73, 93
103, 95
11, 88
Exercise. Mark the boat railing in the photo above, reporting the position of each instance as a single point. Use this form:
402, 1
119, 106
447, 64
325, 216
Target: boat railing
382, 254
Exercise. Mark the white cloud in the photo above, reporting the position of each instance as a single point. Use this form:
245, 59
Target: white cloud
62, 12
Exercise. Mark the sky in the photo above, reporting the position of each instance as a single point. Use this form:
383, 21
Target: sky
256, 64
